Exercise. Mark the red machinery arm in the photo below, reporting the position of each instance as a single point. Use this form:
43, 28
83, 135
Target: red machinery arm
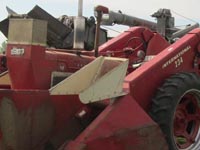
182, 56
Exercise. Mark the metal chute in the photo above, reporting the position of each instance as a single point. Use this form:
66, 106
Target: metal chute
89, 82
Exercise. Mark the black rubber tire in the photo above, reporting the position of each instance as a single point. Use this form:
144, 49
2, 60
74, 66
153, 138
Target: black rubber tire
168, 97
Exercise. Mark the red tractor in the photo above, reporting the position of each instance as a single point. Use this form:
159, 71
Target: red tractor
139, 93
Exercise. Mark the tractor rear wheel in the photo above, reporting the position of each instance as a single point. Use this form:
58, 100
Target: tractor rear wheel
176, 108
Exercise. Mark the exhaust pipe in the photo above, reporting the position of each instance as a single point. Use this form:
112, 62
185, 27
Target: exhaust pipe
79, 28
80, 8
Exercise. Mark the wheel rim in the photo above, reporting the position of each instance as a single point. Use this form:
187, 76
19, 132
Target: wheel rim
186, 123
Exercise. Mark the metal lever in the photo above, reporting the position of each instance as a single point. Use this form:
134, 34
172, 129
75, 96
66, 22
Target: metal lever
99, 11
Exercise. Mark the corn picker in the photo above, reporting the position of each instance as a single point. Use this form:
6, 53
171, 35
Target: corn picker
137, 91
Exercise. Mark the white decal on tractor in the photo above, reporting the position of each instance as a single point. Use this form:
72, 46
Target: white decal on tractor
17, 51
177, 59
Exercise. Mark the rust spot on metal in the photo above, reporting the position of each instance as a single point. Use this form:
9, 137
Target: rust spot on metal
25, 129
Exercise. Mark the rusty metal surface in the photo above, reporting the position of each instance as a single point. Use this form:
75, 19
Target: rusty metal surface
34, 31
26, 122
123, 125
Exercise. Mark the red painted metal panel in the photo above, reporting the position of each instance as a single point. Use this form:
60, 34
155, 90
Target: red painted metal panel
145, 80
30, 118
33, 69
121, 126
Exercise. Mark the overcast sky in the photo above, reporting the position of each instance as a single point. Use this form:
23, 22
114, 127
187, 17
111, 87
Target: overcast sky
138, 8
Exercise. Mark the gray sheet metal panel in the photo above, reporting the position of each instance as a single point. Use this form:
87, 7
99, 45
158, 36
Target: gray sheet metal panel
27, 31
53, 24
56, 32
